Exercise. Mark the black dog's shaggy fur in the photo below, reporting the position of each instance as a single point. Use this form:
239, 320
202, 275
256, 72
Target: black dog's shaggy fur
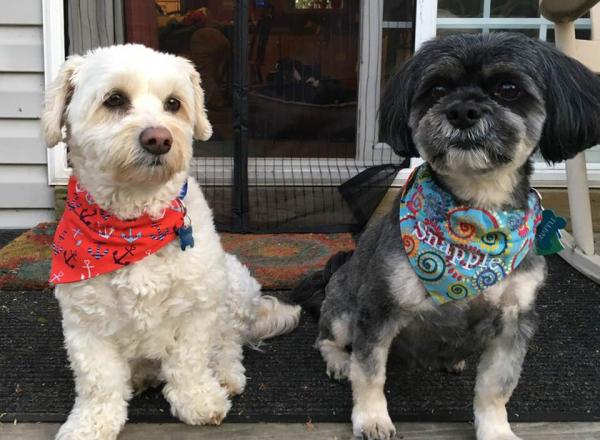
476, 108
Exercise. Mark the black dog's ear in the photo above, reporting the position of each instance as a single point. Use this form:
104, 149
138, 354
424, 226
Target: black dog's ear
572, 106
394, 111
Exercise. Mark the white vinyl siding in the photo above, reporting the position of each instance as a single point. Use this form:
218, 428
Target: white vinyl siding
25, 196
21, 12
20, 142
24, 186
21, 49
21, 95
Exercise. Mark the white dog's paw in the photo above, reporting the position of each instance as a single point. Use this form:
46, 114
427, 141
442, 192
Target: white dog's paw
491, 423
81, 426
499, 436
198, 405
372, 425
234, 381
231, 374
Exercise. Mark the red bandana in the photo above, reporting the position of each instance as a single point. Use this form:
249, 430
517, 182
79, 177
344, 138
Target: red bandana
90, 241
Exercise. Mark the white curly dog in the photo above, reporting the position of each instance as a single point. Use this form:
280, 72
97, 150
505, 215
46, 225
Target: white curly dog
179, 317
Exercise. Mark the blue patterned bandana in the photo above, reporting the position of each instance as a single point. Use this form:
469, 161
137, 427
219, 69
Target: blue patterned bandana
459, 251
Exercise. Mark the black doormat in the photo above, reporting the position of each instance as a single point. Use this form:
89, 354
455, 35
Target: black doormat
287, 381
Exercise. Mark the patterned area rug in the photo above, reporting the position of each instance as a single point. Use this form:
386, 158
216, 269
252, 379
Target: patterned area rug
278, 261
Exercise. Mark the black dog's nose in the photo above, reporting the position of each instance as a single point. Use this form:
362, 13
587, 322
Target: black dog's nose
463, 114
156, 140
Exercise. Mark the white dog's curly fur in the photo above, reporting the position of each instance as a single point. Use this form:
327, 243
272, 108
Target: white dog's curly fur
178, 317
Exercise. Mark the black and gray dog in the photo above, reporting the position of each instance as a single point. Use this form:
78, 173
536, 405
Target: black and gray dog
475, 108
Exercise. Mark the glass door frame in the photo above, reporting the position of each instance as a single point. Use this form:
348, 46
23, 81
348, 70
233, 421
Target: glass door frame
53, 33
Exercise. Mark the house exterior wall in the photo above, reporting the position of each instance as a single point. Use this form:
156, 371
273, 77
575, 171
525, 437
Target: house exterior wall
25, 196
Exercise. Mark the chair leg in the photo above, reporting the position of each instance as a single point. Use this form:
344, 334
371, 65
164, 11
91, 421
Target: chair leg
579, 204
588, 265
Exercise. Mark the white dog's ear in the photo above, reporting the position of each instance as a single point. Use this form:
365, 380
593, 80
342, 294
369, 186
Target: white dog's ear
202, 127
57, 97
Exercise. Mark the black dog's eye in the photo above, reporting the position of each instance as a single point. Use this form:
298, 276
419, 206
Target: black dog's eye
507, 91
116, 99
439, 91
172, 104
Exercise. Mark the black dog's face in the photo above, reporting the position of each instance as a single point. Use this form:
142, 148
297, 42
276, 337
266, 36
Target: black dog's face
476, 112
479, 103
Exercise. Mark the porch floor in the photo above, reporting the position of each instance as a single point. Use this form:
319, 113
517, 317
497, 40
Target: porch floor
320, 431
37, 385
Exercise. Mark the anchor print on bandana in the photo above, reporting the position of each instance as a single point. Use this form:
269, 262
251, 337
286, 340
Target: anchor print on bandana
131, 237
106, 233
90, 241
70, 257
121, 259
97, 253
159, 235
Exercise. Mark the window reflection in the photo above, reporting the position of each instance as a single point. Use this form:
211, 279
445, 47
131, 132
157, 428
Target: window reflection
460, 8
397, 37
303, 61
515, 8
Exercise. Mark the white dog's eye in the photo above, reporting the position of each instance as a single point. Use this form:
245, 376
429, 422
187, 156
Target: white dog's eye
172, 104
507, 91
115, 100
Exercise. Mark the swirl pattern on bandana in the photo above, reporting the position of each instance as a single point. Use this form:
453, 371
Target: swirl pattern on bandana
459, 251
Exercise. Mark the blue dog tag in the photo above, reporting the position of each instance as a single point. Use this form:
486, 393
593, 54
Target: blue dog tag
186, 239
547, 237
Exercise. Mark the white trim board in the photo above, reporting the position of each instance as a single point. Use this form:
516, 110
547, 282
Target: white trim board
281, 171
24, 218
54, 57
425, 21
333, 172
503, 23
369, 76
544, 175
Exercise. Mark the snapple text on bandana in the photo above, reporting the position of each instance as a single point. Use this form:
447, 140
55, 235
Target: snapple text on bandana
455, 254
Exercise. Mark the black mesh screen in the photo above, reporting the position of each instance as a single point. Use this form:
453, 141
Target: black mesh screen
291, 147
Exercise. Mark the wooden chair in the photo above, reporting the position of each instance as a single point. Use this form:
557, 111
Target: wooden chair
579, 251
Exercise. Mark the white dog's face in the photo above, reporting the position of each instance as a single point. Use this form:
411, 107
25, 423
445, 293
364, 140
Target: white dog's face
130, 113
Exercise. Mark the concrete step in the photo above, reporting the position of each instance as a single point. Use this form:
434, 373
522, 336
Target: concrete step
309, 431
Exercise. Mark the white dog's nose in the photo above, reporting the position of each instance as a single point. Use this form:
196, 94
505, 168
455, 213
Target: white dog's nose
156, 140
